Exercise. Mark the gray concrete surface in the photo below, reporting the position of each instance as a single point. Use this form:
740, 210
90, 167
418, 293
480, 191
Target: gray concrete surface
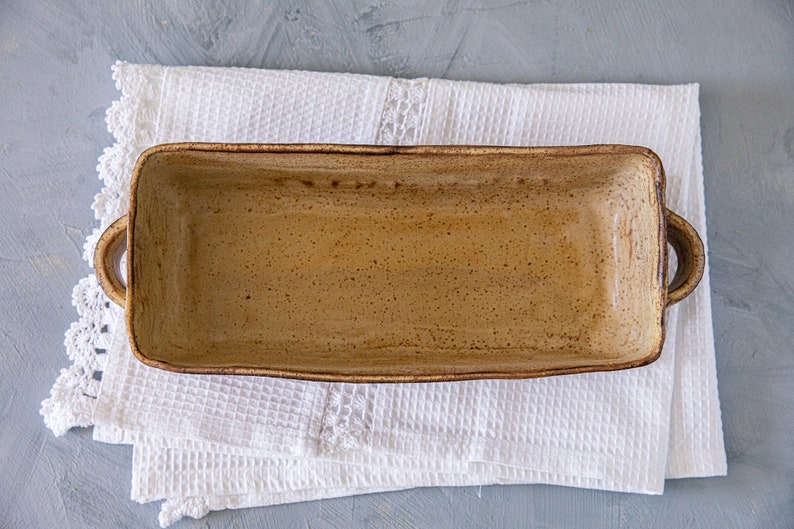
55, 84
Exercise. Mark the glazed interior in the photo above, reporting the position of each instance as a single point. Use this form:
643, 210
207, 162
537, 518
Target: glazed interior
396, 266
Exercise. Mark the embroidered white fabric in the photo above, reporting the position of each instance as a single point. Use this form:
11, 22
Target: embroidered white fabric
402, 112
208, 443
347, 421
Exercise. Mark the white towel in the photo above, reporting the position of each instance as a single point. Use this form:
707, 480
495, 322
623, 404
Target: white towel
214, 442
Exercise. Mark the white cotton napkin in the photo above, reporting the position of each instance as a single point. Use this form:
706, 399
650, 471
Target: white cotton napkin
213, 442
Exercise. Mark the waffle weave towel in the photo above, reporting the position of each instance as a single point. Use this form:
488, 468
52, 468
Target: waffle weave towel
212, 442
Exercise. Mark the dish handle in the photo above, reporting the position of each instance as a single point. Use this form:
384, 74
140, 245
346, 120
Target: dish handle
107, 261
691, 257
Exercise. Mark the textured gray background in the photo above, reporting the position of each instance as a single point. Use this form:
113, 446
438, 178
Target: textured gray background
55, 86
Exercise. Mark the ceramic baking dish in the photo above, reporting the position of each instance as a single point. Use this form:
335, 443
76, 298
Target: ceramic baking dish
395, 264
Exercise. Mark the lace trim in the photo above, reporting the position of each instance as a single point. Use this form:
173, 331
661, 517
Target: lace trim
171, 511
403, 112
132, 120
347, 421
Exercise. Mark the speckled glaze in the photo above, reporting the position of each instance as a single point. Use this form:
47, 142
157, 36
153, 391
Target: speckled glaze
380, 264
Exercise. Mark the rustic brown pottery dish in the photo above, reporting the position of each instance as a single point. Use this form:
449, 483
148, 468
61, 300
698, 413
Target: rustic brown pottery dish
382, 264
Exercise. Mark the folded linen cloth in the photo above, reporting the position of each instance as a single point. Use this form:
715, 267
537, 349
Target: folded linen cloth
212, 442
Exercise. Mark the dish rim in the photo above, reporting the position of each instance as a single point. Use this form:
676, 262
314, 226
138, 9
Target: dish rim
376, 150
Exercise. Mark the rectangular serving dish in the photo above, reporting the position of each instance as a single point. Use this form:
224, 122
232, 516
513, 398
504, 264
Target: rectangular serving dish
394, 264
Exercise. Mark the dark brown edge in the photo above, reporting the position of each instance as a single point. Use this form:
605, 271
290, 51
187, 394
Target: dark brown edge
370, 150
107, 255
691, 253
